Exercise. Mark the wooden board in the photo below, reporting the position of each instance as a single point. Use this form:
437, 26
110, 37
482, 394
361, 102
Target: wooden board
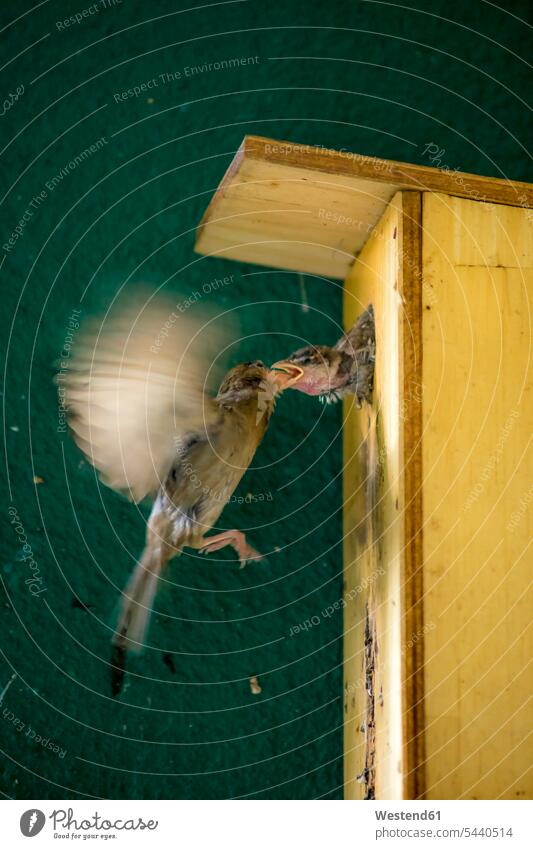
310, 209
401, 174
277, 215
477, 425
382, 755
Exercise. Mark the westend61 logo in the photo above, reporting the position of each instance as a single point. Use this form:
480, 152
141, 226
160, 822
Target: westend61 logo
32, 822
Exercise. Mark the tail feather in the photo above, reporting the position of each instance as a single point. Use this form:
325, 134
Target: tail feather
136, 607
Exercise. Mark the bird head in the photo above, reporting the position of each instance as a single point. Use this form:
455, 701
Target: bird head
247, 382
314, 370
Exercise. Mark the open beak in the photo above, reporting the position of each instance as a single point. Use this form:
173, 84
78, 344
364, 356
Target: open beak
286, 373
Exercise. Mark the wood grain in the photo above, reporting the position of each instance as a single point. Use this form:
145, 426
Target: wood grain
412, 579
296, 218
477, 489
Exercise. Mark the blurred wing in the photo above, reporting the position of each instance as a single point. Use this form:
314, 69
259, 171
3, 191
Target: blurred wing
362, 335
135, 390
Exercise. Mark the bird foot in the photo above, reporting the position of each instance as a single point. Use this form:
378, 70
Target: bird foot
237, 540
329, 397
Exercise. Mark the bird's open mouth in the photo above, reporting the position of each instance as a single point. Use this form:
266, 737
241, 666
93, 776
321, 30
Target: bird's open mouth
288, 373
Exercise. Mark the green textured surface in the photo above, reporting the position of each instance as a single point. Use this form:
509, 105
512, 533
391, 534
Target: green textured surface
377, 79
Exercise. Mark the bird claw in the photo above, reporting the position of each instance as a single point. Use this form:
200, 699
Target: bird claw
248, 555
237, 540
330, 397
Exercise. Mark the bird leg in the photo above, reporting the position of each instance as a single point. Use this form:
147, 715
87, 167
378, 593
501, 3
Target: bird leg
237, 540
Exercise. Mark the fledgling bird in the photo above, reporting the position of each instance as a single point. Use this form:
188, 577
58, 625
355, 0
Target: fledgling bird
138, 410
332, 373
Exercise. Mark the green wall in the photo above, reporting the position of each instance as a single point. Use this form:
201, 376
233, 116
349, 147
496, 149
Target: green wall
376, 78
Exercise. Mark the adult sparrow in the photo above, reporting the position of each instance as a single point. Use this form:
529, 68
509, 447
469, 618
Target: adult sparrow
137, 409
332, 373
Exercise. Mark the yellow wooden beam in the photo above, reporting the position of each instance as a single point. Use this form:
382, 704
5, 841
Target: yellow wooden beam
383, 703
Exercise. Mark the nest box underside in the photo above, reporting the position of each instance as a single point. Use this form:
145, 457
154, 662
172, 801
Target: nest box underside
310, 209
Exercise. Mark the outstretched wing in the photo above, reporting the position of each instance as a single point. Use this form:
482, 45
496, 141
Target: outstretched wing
361, 338
134, 390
